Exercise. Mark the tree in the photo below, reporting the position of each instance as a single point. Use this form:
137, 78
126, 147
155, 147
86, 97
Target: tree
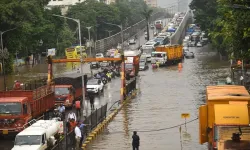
147, 14
228, 26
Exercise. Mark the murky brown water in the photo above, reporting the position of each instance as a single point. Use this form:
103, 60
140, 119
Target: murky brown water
165, 94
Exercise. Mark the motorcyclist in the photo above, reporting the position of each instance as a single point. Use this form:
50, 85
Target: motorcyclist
109, 75
98, 75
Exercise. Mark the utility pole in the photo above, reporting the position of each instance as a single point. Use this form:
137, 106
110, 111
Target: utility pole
81, 57
89, 40
123, 84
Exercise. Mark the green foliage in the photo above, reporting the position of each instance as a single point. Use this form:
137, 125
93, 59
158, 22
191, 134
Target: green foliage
93, 13
227, 25
33, 23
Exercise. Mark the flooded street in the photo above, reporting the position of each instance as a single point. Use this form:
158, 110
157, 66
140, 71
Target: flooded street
165, 94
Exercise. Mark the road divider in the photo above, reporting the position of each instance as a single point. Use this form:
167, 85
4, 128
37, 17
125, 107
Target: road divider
100, 128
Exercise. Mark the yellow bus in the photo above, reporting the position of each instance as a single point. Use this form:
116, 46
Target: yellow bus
74, 52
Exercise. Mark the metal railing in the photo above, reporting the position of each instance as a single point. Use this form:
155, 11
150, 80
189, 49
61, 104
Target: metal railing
67, 141
104, 44
130, 86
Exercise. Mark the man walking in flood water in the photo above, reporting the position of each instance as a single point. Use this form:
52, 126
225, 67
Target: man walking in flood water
136, 141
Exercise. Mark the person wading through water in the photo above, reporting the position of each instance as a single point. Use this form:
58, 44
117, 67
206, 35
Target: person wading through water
92, 100
136, 141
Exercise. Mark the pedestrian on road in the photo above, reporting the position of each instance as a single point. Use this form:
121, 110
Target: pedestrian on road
78, 136
92, 100
72, 115
78, 108
136, 141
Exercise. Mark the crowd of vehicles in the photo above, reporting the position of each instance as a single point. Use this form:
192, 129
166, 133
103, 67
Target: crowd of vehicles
224, 119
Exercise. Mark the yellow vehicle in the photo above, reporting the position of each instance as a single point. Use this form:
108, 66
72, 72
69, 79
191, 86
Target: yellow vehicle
74, 52
224, 120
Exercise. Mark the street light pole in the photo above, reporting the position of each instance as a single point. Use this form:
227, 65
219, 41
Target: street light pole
89, 39
1, 33
81, 57
123, 84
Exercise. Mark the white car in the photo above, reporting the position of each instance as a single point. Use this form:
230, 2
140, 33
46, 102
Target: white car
99, 55
95, 86
132, 41
149, 45
199, 44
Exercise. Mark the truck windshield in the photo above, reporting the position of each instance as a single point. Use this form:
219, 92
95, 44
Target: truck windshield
28, 140
129, 66
10, 108
61, 91
157, 55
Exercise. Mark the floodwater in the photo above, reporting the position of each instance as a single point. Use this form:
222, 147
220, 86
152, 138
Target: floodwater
164, 94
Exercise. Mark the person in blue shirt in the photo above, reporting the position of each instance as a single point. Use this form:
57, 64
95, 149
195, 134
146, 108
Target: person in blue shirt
82, 125
61, 110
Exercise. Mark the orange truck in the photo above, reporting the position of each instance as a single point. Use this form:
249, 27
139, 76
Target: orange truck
224, 120
19, 107
167, 54
68, 89
132, 62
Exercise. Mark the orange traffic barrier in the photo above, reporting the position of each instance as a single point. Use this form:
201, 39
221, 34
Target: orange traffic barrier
180, 65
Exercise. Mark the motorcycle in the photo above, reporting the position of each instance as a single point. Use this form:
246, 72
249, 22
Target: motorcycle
104, 80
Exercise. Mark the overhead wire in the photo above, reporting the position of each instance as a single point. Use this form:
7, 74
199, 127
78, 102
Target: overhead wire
161, 129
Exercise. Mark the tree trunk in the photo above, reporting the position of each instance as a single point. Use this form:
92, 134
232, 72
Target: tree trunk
147, 31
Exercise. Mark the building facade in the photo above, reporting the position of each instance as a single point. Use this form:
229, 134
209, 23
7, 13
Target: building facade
151, 3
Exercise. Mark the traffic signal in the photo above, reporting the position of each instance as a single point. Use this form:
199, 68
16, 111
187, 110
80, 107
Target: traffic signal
49, 59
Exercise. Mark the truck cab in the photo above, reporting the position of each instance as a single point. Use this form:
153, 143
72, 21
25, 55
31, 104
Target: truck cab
14, 113
64, 94
159, 57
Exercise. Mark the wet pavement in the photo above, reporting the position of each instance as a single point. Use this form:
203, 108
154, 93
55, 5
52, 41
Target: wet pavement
165, 94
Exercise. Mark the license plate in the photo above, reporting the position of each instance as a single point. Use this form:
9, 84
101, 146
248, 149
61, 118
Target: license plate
5, 131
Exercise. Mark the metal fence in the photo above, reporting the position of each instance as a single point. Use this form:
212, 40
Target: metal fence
67, 142
130, 86
104, 44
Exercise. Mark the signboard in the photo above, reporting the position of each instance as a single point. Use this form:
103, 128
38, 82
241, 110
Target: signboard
226, 114
185, 115
52, 52
129, 60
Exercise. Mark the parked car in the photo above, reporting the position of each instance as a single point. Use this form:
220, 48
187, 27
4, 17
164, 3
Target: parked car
104, 64
189, 55
95, 86
132, 41
94, 65
152, 26
185, 50
143, 65
192, 44
99, 55
199, 44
